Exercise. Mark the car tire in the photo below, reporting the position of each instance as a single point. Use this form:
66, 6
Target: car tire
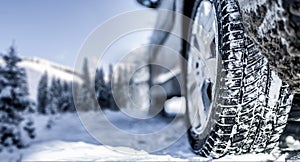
240, 107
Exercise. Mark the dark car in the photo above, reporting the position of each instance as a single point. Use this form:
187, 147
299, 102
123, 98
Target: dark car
240, 72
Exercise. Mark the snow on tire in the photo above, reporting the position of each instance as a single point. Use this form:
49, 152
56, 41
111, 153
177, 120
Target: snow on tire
275, 24
236, 104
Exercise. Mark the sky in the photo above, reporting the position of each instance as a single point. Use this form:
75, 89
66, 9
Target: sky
55, 29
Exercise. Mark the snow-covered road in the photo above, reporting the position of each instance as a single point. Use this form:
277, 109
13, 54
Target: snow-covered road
68, 140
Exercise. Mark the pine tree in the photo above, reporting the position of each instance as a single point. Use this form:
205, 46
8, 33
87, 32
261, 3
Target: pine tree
119, 93
86, 99
112, 104
101, 88
14, 101
65, 101
54, 96
76, 88
97, 85
71, 99
42, 97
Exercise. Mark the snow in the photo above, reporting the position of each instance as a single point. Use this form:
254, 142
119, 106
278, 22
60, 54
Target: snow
251, 157
80, 151
68, 140
6, 92
292, 143
276, 84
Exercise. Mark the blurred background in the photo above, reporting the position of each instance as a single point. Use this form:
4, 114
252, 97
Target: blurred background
41, 92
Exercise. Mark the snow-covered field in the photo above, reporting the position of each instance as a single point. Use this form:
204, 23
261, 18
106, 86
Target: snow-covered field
68, 140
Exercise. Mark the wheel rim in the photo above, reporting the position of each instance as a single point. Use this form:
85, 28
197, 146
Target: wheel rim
202, 66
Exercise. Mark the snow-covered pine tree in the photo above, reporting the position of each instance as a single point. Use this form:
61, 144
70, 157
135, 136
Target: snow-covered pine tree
51, 98
97, 86
42, 97
14, 102
119, 91
76, 95
65, 107
85, 98
112, 104
65, 101
54, 96
71, 99
102, 91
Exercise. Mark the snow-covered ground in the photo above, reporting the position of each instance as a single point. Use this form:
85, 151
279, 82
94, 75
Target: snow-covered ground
68, 140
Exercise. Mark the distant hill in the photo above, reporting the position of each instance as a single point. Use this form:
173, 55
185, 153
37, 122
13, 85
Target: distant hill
35, 68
